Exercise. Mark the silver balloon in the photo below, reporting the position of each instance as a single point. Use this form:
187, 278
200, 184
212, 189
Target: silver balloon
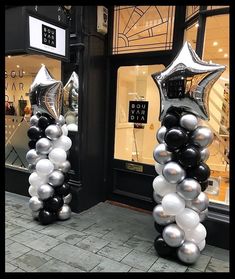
35, 203
173, 235
200, 203
45, 191
161, 154
189, 188
65, 166
33, 120
161, 134
157, 197
67, 199
61, 120
202, 136
64, 213
203, 215
43, 146
205, 153
173, 172
33, 157
56, 178
35, 214
189, 122
194, 95
160, 217
46, 94
188, 252
31, 168
71, 89
53, 132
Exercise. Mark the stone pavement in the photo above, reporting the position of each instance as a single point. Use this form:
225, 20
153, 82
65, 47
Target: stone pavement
105, 238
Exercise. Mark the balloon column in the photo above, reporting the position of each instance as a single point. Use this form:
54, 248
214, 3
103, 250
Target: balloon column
181, 155
49, 147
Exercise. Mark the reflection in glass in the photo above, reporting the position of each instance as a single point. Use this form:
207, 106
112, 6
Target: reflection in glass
190, 35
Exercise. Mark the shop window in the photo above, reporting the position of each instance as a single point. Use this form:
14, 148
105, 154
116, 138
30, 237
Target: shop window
216, 7
216, 50
135, 141
191, 11
142, 28
190, 34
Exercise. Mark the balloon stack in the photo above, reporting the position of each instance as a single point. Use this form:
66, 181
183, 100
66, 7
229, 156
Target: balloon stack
47, 157
180, 156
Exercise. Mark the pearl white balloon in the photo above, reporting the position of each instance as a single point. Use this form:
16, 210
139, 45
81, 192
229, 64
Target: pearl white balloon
188, 189
33, 120
188, 252
33, 157
205, 153
64, 213
53, 132
43, 146
45, 191
201, 245
189, 122
33, 190
161, 134
156, 197
36, 180
64, 167
61, 120
72, 127
200, 203
163, 187
57, 155
173, 204
64, 130
188, 219
158, 168
44, 167
63, 142
197, 234
161, 154
173, 235
173, 172
161, 217
35, 203
202, 136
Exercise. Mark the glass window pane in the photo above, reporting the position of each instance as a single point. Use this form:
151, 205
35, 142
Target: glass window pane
142, 28
216, 49
191, 11
216, 7
133, 141
190, 35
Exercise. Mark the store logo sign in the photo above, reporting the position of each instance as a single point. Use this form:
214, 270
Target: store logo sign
48, 36
138, 111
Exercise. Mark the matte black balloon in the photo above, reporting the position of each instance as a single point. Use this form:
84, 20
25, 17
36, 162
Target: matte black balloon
32, 144
189, 156
204, 185
53, 204
163, 249
35, 133
176, 137
159, 228
46, 217
170, 120
63, 190
200, 172
44, 121
66, 177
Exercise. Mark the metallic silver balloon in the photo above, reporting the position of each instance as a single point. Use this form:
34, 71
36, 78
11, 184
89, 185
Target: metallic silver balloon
71, 91
161, 134
64, 213
34, 120
161, 154
67, 199
157, 197
160, 217
188, 252
173, 172
35, 203
189, 122
31, 168
200, 203
33, 157
202, 136
196, 78
43, 146
189, 188
45, 191
173, 235
53, 132
56, 178
65, 166
35, 214
203, 215
46, 94
61, 120
205, 153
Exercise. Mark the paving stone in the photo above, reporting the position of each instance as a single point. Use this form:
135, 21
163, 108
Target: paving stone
78, 224
72, 236
75, 256
139, 243
208, 250
9, 267
31, 260
135, 270
117, 235
92, 244
152, 251
19, 270
221, 254
55, 265
190, 269
201, 263
14, 230
15, 250
53, 230
164, 265
43, 244
117, 253
216, 265
97, 230
8, 242
26, 223
26, 236
139, 260
108, 265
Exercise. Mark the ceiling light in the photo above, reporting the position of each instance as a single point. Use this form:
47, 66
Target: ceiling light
17, 66
9, 56
225, 55
144, 72
24, 72
215, 43
220, 50
196, 25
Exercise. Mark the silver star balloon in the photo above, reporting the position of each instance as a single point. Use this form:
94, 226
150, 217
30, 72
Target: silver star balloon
71, 93
186, 83
46, 94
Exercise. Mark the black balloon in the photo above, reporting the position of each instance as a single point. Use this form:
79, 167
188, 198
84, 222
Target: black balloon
38, 114
170, 120
159, 228
53, 204
66, 177
46, 217
204, 185
176, 137
163, 249
32, 144
63, 190
189, 156
35, 133
44, 121
200, 172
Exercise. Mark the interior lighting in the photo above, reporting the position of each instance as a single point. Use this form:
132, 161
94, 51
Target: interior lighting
220, 50
225, 55
17, 66
196, 25
215, 43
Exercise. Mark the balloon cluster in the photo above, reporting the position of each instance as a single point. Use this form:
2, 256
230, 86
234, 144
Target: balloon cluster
49, 147
179, 188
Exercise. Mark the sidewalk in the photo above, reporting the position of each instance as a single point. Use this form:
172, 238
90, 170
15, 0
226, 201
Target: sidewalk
105, 238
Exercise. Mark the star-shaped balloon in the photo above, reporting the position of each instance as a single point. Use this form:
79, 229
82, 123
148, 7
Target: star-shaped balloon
186, 83
71, 92
46, 94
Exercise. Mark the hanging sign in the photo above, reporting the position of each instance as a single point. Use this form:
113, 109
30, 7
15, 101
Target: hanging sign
138, 111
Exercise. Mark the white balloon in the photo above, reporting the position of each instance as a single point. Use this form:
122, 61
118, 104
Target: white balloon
64, 130
188, 219
44, 167
158, 168
72, 127
201, 245
196, 235
57, 155
162, 187
33, 190
63, 142
36, 180
173, 204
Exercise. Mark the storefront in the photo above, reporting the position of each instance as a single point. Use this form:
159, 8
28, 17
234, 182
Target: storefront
112, 157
